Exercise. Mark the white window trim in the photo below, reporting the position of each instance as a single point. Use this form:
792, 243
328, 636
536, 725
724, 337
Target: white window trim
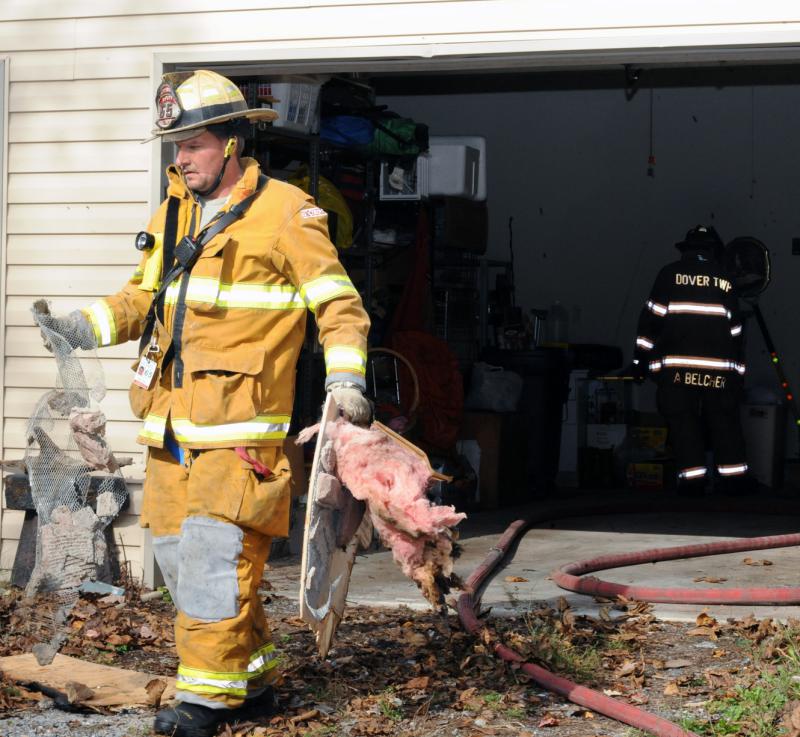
4, 75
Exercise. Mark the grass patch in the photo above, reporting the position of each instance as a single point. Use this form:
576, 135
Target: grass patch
566, 653
492, 697
389, 705
757, 709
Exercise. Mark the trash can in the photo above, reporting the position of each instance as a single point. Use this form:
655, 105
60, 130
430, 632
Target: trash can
545, 376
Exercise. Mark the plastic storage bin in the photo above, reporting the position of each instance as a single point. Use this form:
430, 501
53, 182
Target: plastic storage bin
296, 100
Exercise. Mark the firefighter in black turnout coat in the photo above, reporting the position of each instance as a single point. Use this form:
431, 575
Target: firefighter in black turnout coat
689, 339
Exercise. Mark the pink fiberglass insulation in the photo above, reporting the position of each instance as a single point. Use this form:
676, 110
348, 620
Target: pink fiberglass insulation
393, 481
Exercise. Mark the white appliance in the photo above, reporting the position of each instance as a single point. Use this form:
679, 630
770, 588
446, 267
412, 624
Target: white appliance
457, 166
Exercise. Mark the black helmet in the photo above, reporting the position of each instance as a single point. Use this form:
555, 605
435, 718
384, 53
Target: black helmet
702, 238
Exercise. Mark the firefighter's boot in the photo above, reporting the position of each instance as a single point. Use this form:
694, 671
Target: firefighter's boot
191, 720
195, 720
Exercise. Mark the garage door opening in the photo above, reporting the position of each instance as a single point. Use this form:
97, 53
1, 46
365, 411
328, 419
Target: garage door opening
591, 177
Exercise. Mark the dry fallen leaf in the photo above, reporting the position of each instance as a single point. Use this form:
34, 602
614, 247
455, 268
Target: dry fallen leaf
548, 720
679, 663
702, 632
115, 639
671, 689
753, 562
467, 694
515, 579
718, 678
709, 579
414, 638
305, 716
155, 688
627, 636
417, 684
626, 668
704, 619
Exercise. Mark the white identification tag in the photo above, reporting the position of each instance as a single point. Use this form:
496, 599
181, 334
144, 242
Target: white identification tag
145, 372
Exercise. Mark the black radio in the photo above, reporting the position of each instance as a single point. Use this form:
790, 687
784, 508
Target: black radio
186, 252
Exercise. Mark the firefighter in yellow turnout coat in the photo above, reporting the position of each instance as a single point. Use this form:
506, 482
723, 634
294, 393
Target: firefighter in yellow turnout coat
215, 385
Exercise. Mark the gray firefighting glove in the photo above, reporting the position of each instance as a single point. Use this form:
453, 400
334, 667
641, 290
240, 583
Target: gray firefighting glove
350, 399
74, 328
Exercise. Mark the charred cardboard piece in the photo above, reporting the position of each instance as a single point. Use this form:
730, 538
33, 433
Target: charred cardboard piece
327, 559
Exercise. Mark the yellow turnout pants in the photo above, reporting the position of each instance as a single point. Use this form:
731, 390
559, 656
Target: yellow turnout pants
212, 519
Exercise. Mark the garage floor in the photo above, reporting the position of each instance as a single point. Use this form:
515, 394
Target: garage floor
377, 581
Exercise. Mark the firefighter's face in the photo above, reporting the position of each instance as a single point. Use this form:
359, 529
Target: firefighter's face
200, 159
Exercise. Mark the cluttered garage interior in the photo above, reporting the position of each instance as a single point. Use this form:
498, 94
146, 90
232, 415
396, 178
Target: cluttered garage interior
505, 229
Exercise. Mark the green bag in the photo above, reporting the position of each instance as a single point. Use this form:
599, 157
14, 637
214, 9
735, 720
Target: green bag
398, 137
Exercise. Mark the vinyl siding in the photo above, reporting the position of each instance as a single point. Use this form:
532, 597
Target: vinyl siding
80, 184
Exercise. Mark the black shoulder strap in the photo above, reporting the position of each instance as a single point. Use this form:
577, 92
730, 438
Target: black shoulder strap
216, 226
168, 248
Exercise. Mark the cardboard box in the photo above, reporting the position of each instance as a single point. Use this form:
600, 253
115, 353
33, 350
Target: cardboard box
651, 475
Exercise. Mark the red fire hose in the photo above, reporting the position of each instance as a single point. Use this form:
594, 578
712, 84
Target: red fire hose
568, 577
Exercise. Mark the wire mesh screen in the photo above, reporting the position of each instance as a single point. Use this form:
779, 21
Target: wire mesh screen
76, 483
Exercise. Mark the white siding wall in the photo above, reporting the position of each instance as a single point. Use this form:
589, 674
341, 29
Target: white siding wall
79, 182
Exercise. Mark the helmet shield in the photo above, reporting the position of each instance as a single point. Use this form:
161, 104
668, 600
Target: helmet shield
168, 106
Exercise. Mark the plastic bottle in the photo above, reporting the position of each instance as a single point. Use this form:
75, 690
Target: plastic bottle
557, 323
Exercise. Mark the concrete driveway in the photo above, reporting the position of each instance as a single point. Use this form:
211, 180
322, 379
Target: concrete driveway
599, 523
